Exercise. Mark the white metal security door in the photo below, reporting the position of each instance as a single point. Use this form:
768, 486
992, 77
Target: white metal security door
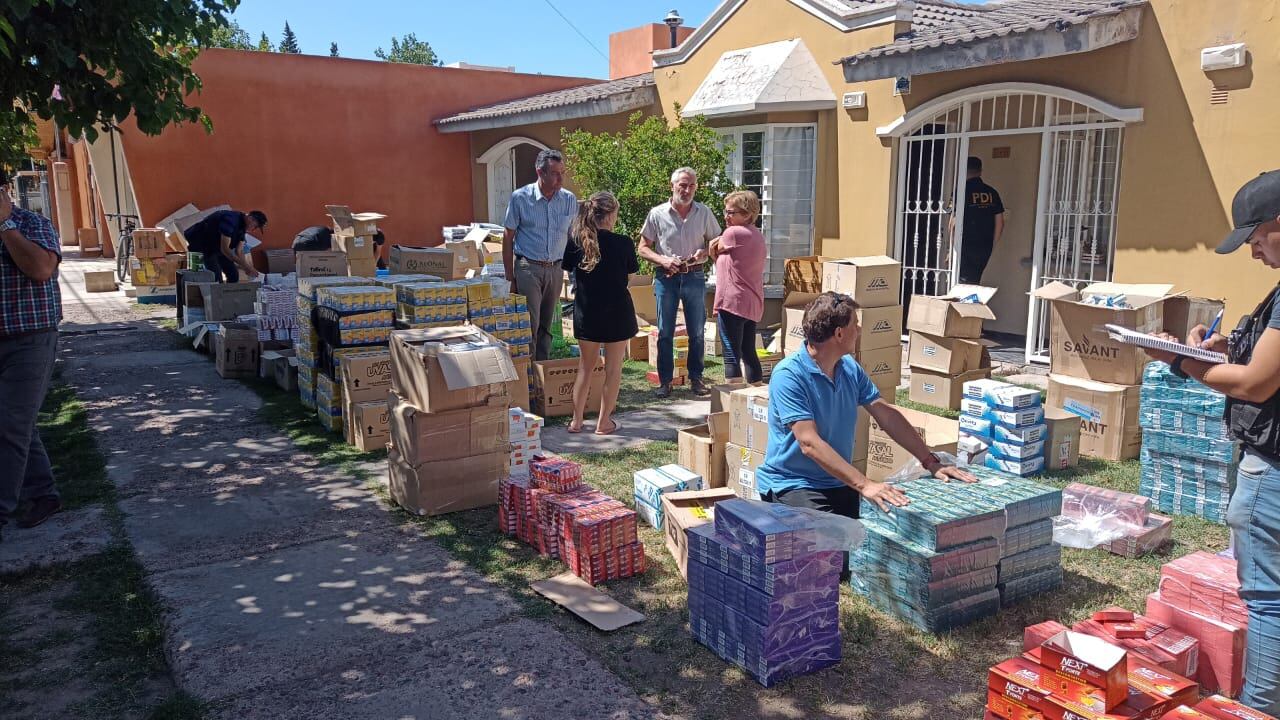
1076, 226
928, 186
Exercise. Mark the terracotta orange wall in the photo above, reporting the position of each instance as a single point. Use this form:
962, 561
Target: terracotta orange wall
293, 133
631, 51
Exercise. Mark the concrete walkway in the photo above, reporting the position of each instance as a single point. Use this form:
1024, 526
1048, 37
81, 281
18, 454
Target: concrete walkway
635, 428
291, 592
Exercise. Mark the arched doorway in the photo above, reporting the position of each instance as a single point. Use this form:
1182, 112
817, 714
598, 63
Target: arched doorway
1059, 148
508, 165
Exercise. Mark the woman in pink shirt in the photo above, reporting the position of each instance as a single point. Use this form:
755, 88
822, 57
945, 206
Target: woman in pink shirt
740, 255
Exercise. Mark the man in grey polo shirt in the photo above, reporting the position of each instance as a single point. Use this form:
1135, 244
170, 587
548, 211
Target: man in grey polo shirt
537, 228
674, 239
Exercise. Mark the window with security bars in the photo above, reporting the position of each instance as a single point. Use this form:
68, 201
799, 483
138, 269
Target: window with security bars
777, 162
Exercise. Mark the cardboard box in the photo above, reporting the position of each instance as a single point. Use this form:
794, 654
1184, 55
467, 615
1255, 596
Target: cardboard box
945, 355
685, 510
518, 389
1090, 660
638, 347
436, 488
355, 247
1152, 679
740, 470
1182, 314
874, 281
1062, 439
286, 374
269, 358
150, 243
366, 376
320, 264
1079, 344
100, 281
940, 389
420, 437
433, 379
467, 256
884, 367
364, 268
642, 298
443, 262
749, 417
280, 262
1108, 415
702, 450
803, 274
348, 224
679, 348
712, 346
368, 425
1014, 688
768, 362
153, 272
236, 353
720, 394
880, 327
948, 315
553, 387
885, 456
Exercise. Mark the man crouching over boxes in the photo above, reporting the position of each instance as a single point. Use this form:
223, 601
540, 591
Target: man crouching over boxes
814, 396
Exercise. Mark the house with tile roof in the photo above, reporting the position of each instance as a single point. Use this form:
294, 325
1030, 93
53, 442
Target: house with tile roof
1115, 147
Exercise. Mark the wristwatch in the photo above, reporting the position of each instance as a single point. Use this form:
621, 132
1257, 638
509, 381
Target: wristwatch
8, 225
933, 463
1175, 367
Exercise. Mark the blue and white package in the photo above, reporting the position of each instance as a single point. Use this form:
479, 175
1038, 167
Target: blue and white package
650, 486
1014, 451
1002, 395
1009, 418
978, 427
1016, 467
1020, 436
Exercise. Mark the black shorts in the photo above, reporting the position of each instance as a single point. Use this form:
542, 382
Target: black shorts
841, 501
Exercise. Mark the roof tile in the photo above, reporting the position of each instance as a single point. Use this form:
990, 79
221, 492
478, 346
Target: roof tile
556, 98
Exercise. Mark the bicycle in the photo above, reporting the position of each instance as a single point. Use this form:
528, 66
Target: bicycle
124, 243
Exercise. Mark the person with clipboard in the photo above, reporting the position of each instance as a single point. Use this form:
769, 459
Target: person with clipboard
1251, 381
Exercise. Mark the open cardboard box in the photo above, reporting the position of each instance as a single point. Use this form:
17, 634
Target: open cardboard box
685, 510
449, 368
349, 224
1079, 343
953, 315
1096, 663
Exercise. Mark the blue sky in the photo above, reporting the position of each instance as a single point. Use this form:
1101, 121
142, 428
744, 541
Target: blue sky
525, 33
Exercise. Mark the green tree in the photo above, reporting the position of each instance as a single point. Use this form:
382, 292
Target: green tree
17, 135
636, 164
289, 43
62, 66
333, 49
264, 44
410, 50
231, 36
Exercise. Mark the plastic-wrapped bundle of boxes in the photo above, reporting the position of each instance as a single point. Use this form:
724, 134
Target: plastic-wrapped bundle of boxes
652, 483
1188, 458
1009, 420
525, 431
760, 595
506, 318
958, 551
277, 317
307, 344
431, 304
1199, 594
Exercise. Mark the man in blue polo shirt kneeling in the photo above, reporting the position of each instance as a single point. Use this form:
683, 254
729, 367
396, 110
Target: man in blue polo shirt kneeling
814, 395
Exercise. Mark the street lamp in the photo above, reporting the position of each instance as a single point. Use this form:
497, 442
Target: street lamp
673, 21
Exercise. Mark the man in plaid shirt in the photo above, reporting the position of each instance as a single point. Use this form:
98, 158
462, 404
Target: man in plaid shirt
30, 309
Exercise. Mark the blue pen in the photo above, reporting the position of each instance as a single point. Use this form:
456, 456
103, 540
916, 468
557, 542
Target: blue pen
1212, 328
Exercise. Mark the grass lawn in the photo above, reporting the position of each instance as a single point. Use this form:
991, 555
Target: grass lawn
84, 639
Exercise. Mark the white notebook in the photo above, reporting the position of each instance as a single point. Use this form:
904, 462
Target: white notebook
1131, 337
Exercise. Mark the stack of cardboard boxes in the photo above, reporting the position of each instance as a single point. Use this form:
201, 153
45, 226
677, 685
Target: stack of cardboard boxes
679, 354
945, 350
875, 284
748, 439
1094, 376
353, 237
1009, 421
524, 430
307, 346
365, 381
449, 418
349, 320
702, 448
152, 269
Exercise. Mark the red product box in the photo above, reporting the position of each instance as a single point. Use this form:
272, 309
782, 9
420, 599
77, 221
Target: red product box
988, 715
1004, 707
1171, 649
1153, 679
1184, 713
1033, 636
556, 474
1020, 682
1221, 660
1153, 536
1205, 584
1077, 658
1113, 614
1126, 631
1223, 708
1137, 706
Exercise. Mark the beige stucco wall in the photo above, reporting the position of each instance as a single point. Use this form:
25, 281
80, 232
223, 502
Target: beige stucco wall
1180, 168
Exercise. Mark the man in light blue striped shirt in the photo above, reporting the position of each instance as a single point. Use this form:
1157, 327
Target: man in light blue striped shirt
537, 229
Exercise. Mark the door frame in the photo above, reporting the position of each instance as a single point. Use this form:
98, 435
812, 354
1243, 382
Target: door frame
1097, 115
489, 158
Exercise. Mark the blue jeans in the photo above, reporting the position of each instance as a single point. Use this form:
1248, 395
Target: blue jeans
691, 290
1254, 517
26, 366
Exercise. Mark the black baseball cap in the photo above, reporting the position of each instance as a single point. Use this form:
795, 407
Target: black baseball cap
1256, 203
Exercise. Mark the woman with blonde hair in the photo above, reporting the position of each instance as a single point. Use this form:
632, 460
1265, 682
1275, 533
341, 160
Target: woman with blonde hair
740, 255
603, 314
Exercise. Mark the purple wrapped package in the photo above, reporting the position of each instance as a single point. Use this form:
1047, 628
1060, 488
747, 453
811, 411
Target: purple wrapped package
769, 655
1080, 500
770, 532
754, 603
808, 572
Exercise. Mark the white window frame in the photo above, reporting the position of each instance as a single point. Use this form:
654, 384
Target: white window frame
734, 171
